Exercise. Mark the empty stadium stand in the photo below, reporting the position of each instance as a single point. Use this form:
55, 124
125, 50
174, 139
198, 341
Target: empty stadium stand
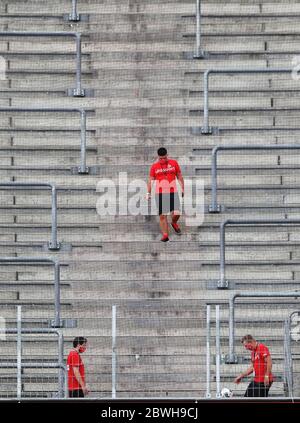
144, 90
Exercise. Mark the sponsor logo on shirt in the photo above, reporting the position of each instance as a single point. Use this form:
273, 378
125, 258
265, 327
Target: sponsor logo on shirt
170, 168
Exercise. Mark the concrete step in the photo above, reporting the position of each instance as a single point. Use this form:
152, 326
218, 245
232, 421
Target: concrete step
148, 24
179, 292
124, 7
242, 272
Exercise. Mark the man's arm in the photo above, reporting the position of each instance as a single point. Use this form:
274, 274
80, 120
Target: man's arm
181, 181
149, 185
246, 373
268, 370
79, 379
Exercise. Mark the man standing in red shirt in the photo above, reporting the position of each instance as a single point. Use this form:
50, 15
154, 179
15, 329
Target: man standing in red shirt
164, 172
262, 367
76, 376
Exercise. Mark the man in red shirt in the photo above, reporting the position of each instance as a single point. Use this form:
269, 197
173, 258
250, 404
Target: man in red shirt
76, 376
164, 172
262, 367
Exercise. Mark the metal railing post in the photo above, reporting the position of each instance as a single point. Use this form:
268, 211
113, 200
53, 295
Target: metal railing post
74, 16
232, 357
290, 355
83, 169
114, 352
57, 293
62, 376
53, 244
214, 206
231, 330
218, 353
78, 91
208, 394
223, 283
206, 129
199, 54
288, 371
19, 352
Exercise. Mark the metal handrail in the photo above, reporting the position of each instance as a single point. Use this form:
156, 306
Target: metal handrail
78, 91
222, 283
60, 363
218, 352
289, 356
114, 352
232, 357
206, 129
82, 168
215, 207
43, 260
288, 363
74, 16
199, 54
53, 244
208, 358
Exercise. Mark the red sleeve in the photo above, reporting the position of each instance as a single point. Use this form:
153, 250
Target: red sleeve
264, 351
152, 171
73, 359
177, 167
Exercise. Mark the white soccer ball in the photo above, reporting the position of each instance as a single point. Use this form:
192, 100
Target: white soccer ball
226, 393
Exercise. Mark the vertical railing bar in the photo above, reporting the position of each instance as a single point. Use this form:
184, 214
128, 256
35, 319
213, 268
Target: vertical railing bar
79, 91
198, 52
61, 381
54, 243
19, 352
208, 366
218, 370
114, 352
57, 322
83, 168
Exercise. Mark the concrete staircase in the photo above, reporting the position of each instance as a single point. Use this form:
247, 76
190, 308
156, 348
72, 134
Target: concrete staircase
148, 94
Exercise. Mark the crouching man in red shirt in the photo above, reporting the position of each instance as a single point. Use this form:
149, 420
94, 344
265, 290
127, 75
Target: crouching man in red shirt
164, 172
261, 366
76, 375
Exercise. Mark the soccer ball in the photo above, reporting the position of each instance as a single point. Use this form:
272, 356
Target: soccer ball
226, 393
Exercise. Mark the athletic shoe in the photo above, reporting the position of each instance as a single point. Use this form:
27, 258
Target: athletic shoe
165, 238
176, 228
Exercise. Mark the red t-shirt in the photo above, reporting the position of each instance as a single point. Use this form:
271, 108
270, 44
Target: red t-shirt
74, 360
165, 176
258, 358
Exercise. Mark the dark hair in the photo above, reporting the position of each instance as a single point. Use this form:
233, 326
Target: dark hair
247, 338
162, 151
79, 340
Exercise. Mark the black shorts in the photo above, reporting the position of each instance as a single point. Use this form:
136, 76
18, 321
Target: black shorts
257, 389
167, 203
76, 393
